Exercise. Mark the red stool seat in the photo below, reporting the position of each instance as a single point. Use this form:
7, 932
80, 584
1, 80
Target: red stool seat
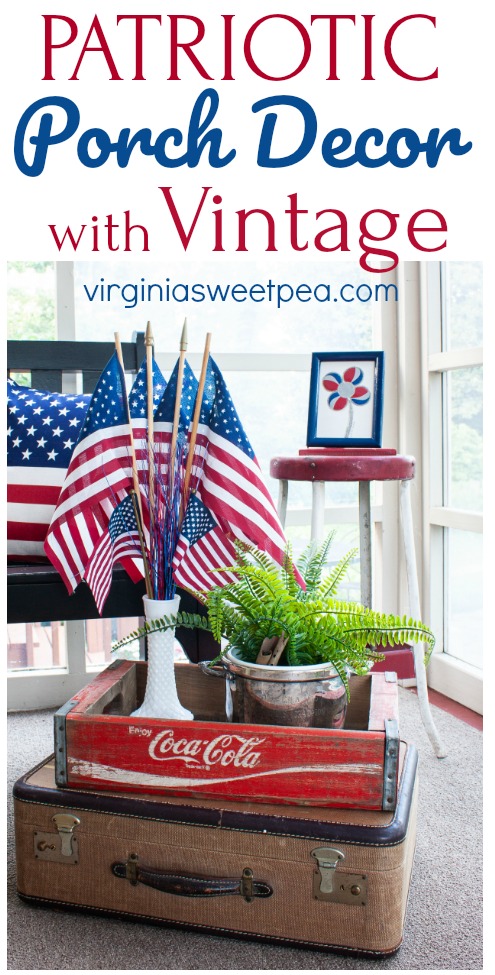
340, 466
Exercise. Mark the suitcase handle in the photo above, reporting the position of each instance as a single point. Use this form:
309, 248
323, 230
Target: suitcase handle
187, 885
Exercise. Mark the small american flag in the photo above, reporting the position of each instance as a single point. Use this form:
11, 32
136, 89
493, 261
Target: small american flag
42, 430
164, 413
168, 489
99, 476
120, 541
163, 422
138, 396
202, 547
138, 410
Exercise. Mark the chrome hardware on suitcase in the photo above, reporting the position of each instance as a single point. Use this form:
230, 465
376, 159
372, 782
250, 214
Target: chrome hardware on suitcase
322, 878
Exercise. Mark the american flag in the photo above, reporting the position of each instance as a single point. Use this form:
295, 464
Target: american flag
202, 547
99, 476
138, 410
42, 430
164, 533
164, 416
119, 542
228, 478
164, 413
138, 396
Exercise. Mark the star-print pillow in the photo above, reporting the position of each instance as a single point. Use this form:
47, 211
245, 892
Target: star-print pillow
42, 431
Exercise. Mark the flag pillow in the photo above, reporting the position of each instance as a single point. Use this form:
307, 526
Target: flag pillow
42, 431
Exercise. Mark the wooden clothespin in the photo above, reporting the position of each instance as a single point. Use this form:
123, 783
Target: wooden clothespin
271, 650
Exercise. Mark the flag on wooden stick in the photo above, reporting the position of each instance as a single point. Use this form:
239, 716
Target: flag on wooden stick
202, 548
171, 425
138, 395
119, 543
145, 389
164, 413
209, 471
99, 476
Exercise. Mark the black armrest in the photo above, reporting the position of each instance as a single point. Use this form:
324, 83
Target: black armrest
36, 593
46, 361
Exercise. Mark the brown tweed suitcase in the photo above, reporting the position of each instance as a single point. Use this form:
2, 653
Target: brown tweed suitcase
319, 878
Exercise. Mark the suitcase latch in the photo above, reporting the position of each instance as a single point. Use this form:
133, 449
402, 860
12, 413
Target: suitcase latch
60, 846
330, 884
66, 824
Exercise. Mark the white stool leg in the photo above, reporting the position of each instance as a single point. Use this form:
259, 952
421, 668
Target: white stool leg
365, 541
283, 493
318, 511
415, 611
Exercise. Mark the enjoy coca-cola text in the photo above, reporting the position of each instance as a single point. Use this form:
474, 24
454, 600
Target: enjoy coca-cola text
222, 750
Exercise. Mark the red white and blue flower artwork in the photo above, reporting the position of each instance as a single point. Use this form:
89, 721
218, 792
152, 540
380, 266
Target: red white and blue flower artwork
346, 399
346, 391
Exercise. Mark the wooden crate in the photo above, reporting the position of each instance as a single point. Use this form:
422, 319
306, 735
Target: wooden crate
98, 744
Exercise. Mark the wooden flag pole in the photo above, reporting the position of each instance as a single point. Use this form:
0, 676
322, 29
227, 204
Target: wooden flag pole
135, 479
150, 404
197, 411
138, 515
178, 398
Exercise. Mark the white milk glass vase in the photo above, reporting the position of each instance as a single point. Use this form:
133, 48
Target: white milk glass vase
160, 699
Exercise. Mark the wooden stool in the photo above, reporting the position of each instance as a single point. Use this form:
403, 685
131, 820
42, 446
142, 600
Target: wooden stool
363, 465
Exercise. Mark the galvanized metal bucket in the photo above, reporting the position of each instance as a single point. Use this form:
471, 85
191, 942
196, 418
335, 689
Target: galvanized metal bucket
313, 696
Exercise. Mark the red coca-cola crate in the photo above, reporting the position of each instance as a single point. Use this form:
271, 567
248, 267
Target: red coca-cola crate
98, 744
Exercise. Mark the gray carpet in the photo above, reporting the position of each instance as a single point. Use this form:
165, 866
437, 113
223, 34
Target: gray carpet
443, 928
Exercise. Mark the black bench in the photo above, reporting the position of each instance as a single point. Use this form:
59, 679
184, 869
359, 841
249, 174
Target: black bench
35, 592
46, 362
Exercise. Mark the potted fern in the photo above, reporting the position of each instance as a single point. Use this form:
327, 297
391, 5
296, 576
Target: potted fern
288, 652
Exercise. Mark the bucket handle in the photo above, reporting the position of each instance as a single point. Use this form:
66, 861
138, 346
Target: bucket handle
204, 666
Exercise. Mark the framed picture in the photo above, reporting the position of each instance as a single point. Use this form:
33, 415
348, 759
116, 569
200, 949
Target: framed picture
346, 399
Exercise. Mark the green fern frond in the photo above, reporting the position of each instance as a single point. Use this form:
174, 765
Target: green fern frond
266, 601
330, 585
314, 554
190, 621
261, 559
312, 562
288, 573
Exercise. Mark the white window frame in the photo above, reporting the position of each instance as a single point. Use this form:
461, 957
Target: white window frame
53, 687
457, 680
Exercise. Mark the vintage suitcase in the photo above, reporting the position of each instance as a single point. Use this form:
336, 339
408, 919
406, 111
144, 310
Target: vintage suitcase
311, 877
